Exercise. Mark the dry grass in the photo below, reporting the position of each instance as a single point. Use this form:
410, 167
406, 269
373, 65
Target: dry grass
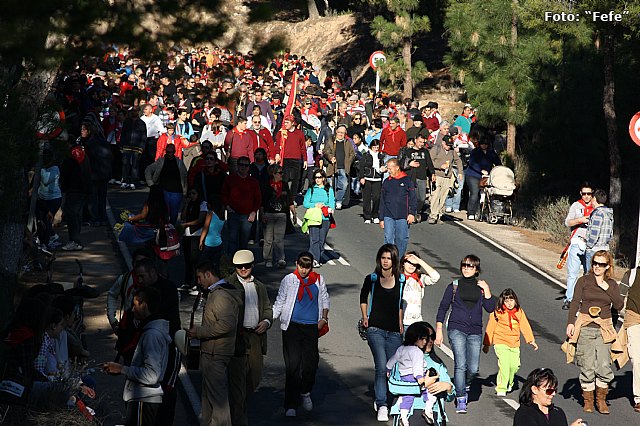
548, 216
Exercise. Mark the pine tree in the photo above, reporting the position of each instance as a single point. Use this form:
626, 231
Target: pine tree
397, 33
496, 56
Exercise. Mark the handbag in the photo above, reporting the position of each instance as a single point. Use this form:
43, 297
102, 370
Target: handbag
290, 226
399, 387
324, 330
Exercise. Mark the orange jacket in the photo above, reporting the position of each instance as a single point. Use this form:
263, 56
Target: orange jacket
498, 332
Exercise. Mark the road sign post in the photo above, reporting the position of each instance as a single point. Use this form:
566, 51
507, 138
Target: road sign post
375, 60
634, 132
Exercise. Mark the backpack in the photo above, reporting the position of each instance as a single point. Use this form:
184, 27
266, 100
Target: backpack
455, 288
167, 243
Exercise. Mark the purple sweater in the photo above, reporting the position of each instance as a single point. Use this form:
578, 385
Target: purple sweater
468, 321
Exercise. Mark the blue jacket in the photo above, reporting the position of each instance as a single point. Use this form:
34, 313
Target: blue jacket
317, 194
397, 197
461, 318
479, 161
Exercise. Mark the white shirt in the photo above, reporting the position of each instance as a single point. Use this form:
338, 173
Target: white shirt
251, 311
154, 126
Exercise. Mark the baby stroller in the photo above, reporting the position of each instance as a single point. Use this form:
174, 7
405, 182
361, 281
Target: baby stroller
497, 195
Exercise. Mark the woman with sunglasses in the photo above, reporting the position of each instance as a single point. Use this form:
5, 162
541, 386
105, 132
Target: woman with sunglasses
536, 406
320, 195
591, 331
277, 204
467, 297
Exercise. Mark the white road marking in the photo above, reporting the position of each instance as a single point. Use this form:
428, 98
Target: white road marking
512, 254
329, 261
444, 348
512, 403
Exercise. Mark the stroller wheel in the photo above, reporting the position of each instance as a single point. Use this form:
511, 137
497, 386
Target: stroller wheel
493, 219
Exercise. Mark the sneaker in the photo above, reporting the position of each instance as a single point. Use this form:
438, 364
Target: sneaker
72, 246
456, 210
471, 217
501, 394
448, 210
367, 221
316, 264
291, 412
114, 182
427, 415
404, 417
282, 263
432, 221
269, 264
54, 245
54, 238
383, 414
376, 220
338, 205
251, 242
461, 405
565, 305
305, 401
132, 186
194, 290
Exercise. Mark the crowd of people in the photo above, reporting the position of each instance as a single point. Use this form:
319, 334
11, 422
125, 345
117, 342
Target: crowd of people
228, 148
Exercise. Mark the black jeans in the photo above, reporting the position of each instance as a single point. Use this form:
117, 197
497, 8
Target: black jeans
300, 349
98, 204
371, 199
474, 193
44, 207
141, 413
74, 203
191, 252
291, 170
130, 167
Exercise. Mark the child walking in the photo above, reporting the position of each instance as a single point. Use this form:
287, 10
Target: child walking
418, 274
503, 332
412, 368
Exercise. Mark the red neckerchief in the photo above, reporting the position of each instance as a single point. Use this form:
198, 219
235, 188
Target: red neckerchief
277, 186
18, 336
312, 278
512, 315
415, 276
400, 175
587, 208
238, 131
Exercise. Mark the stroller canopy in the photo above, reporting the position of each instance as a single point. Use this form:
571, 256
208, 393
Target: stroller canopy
502, 181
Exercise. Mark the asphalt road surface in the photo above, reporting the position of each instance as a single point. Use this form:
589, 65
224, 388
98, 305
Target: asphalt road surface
343, 392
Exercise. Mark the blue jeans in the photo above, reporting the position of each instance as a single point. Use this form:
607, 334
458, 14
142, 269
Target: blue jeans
238, 231
453, 203
576, 259
588, 257
466, 356
396, 231
173, 200
342, 183
317, 239
383, 345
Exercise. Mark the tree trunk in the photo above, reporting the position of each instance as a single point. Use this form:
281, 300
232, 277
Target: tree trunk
608, 106
25, 100
406, 58
511, 126
313, 9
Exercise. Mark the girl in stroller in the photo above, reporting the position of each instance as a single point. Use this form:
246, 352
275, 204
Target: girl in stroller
411, 375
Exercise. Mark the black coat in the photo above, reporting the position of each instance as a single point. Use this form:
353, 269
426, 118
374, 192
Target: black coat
530, 415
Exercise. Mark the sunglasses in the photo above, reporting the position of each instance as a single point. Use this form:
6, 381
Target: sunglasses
550, 391
431, 336
467, 265
600, 264
245, 266
319, 177
586, 193
243, 165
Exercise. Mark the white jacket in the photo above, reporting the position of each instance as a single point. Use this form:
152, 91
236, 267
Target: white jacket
288, 294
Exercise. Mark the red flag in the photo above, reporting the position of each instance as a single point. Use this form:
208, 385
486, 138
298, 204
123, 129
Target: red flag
291, 102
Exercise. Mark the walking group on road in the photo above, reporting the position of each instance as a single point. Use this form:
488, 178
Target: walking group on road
228, 149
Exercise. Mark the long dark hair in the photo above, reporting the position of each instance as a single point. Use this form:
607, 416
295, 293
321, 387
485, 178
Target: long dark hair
157, 210
395, 259
537, 378
431, 331
415, 332
507, 292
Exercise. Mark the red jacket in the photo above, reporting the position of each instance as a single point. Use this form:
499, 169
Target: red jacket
239, 144
392, 140
241, 194
293, 146
263, 139
179, 141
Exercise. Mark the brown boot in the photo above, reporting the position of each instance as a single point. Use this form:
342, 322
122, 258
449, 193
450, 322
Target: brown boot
601, 399
588, 401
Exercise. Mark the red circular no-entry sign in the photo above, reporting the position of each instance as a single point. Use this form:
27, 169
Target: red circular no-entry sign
634, 128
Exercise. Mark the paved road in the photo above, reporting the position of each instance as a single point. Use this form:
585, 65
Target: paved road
343, 392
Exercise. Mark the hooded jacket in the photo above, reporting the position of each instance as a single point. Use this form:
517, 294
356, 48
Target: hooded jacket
149, 364
220, 320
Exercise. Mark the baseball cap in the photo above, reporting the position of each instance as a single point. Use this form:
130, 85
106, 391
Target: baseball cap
384, 113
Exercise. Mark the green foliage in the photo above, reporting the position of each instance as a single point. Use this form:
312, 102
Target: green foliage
394, 70
549, 215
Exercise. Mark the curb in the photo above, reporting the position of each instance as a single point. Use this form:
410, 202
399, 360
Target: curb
185, 381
